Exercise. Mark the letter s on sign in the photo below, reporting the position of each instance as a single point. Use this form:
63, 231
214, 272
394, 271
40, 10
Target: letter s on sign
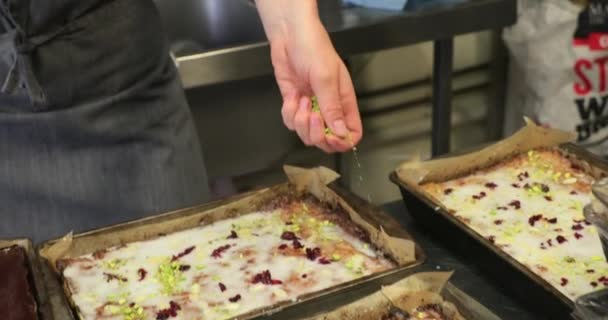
582, 85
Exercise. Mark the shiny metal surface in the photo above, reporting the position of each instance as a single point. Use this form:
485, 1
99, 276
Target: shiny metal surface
223, 40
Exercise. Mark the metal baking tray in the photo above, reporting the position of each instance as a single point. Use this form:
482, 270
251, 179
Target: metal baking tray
533, 291
35, 276
62, 309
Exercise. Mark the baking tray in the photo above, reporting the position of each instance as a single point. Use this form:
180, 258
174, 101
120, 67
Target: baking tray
533, 291
468, 307
35, 279
62, 309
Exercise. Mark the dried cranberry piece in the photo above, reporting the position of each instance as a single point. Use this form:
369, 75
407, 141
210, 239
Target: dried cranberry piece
573, 192
266, 278
448, 191
324, 260
602, 279
551, 220
235, 298
543, 187
165, 314
183, 253
560, 239
492, 239
305, 276
533, 219
593, 284
590, 271
578, 235
563, 282
184, 267
521, 176
502, 208
142, 273
297, 244
217, 253
479, 196
575, 167
283, 247
491, 185
550, 242
111, 276
498, 222
548, 198
515, 185
515, 204
587, 223
577, 227
288, 223
222, 286
289, 236
233, 235
313, 254
558, 230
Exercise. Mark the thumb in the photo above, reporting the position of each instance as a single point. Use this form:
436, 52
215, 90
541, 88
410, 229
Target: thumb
328, 96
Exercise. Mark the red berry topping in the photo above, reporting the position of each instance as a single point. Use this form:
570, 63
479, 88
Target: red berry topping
289, 236
217, 253
183, 253
578, 235
165, 314
502, 208
184, 267
297, 244
222, 286
575, 167
313, 254
515, 185
111, 276
233, 235
593, 284
590, 271
266, 278
479, 196
573, 192
448, 191
283, 247
548, 198
491, 185
577, 227
235, 298
498, 222
533, 219
492, 239
563, 282
560, 239
304, 276
552, 220
521, 176
142, 273
550, 242
324, 260
515, 204
288, 223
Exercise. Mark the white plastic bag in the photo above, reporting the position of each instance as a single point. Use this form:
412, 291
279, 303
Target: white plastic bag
559, 68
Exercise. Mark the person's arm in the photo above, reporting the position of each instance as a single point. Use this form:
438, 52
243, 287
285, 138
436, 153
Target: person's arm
306, 64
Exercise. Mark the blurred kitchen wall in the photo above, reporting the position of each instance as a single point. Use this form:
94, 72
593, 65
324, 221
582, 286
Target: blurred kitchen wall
244, 141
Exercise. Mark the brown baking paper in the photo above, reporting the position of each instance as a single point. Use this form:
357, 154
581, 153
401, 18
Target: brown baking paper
313, 181
316, 180
529, 137
407, 294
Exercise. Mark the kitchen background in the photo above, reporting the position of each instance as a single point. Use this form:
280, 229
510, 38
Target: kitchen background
245, 142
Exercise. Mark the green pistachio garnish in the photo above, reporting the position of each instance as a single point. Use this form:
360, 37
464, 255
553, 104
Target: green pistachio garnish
169, 276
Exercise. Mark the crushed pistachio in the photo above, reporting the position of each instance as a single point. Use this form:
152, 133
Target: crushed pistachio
355, 264
336, 257
114, 264
169, 276
315, 104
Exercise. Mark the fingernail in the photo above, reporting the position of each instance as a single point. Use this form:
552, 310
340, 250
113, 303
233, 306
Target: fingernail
339, 128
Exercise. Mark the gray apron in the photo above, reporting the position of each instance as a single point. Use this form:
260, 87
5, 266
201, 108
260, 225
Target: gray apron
94, 126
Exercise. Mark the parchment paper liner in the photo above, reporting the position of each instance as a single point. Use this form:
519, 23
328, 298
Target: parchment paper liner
529, 137
415, 290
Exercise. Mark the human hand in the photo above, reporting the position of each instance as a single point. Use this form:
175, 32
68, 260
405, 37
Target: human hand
305, 65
